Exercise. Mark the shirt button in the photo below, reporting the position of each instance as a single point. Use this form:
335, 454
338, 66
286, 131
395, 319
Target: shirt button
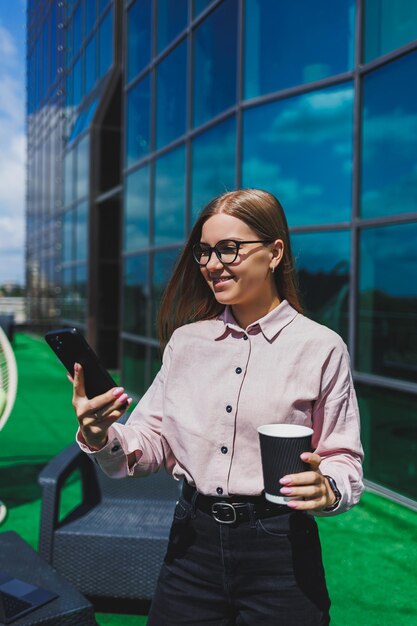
219, 491
238, 370
224, 450
115, 448
245, 337
229, 408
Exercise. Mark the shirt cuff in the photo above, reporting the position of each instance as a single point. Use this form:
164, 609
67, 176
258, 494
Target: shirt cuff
111, 457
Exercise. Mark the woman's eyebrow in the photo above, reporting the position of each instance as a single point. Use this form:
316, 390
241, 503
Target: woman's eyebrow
223, 239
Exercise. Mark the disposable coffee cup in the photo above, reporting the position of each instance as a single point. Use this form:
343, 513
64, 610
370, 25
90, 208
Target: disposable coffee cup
281, 446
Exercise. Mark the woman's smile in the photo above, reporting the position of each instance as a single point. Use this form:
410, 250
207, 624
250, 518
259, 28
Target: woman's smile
219, 281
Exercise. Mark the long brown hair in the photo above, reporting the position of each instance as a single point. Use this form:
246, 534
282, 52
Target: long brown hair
188, 298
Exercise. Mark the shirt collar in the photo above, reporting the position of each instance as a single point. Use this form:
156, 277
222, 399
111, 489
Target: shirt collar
270, 324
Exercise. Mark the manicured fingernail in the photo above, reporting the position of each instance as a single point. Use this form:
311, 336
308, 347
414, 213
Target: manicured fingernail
76, 367
117, 391
285, 480
122, 398
292, 504
304, 456
286, 491
129, 400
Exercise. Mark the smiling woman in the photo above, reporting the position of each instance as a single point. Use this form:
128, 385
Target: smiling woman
239, 354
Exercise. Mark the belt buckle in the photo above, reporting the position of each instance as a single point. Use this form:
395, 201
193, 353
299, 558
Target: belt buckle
215, 512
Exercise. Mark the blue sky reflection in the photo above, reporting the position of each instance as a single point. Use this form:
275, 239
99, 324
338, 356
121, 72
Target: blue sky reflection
300, 149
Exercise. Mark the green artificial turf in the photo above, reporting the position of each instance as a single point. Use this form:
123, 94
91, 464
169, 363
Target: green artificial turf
369, 552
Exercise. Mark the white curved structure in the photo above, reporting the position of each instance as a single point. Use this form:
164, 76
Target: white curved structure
8, 378
8, 389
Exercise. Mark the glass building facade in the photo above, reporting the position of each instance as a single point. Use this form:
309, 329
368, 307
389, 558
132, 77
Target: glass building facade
146, 109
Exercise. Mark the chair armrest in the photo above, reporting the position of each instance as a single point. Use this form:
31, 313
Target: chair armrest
61, 466
51, 480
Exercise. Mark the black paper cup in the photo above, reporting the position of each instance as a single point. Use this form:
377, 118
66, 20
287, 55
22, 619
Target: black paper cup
281, 446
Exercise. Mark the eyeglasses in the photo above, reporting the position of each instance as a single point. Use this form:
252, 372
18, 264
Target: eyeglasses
226, 250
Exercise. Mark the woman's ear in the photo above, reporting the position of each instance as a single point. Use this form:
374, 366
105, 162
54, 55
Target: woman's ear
277, 252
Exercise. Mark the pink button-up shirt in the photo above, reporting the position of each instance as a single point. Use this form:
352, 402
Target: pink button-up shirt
219, 382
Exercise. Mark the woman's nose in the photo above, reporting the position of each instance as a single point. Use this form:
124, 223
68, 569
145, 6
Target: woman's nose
214, 262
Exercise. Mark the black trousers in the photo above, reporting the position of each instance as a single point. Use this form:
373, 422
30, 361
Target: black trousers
261, 572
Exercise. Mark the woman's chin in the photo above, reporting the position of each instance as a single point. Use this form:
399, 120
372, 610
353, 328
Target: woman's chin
223, 298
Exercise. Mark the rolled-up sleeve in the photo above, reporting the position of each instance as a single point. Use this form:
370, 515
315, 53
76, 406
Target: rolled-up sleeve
336, 425
141, 435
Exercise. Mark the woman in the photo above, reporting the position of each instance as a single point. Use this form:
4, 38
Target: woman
239, 354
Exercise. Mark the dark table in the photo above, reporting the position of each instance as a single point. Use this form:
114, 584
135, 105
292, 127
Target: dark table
71, 608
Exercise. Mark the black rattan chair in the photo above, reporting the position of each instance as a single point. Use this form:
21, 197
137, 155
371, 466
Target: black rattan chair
112, 545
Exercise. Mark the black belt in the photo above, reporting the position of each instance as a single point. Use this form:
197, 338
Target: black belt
231, 510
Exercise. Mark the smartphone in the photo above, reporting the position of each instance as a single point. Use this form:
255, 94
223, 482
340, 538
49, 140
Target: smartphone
71, 347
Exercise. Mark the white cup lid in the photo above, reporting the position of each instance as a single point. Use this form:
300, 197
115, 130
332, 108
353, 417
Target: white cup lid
285, 430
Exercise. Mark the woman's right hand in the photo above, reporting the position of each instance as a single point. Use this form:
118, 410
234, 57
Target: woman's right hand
96, 415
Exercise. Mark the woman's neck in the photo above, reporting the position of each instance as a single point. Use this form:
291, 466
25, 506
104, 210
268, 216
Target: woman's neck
247, 314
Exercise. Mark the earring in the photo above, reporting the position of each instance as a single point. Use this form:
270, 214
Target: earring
273, 269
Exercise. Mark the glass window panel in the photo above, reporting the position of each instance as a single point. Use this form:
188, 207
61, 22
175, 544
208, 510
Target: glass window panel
69, 178
139, 31
389, 139
389, 438
78, 28
215, 50
90, 15
323, 265
300, 149
213, 164
83, 167
68, 6
200, 5
387, 311
136, 224
163, 265
80, 293
102, 4
53, 30
138, 121
90, 64
69, 91
171, 96
135, 294
78, 87
134, 367
316, 45
389, 24
81, 232
68, 236
83, 120
37, 82
50, 177
170, 197
172, 19
69, 42
67, 292
45, 58
105, 38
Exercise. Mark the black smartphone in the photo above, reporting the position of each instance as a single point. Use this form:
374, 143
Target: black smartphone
71, 347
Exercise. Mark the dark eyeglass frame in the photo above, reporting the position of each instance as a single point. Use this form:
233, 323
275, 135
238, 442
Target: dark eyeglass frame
215, 249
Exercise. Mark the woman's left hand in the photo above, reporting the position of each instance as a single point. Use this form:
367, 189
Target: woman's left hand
312, 486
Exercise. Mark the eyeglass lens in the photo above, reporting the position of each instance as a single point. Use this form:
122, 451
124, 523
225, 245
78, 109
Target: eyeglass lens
226, 250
